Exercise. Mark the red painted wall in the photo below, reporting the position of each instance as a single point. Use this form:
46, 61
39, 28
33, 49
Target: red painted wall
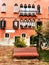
9, 13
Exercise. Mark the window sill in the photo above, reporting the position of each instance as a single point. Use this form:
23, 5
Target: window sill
15, 12
3, 12
38, 13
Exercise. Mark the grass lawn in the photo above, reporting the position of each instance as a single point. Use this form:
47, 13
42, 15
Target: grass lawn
44, 55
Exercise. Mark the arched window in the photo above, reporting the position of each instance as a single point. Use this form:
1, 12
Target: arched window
15, 24
15, 8
2, 24
21, 23
33, 6
6, 35
38, 9
23, 35
21, 5
29, 6
33, 23
3, 7
39, 23
25, 6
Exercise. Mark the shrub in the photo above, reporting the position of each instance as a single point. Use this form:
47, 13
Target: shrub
20, 43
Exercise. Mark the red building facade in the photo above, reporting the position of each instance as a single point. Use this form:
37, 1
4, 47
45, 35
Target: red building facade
18, 18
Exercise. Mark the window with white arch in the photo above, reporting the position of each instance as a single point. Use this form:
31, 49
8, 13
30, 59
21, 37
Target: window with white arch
15, 24
15, 8
3, 8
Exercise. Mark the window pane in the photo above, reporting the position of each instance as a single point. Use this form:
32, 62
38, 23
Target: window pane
6, 35
4, 8
38, 9
23, 35
15, 8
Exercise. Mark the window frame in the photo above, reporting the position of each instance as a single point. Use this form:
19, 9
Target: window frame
23, 36
33, 6
21, 6
16, 27
8, 36
25, 5
38, 9
29, 5
15, 8
3, 10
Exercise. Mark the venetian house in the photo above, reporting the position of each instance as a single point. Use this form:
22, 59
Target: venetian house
19, 18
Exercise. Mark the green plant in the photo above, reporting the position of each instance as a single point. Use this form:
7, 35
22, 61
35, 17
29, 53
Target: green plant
20, 43
44, 55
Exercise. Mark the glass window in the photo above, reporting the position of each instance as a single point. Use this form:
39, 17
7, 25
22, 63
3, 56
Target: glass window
21, 5
39, 23
6, 35
29, 6
38, 9
3, 7
33, 6
23, 35
15, 8
15, 24
25, 6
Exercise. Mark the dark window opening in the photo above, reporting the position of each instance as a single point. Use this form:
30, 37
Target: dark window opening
39, 24
38, 9
17, 38
33, 6
33, 40
21, 5
6, 35
2, 24
16, 5
25, 6
29, 6
23, 35
3, 4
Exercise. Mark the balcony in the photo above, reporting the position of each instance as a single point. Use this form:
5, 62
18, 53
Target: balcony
22, 9
27, 24
15, 24
28, 11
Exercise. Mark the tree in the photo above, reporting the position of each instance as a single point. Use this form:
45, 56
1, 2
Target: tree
46, 32
40, 36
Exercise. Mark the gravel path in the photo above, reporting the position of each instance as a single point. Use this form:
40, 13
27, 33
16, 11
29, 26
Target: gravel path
6, 58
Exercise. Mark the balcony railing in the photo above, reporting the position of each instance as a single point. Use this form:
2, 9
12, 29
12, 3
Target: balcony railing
28, 11
27, 24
